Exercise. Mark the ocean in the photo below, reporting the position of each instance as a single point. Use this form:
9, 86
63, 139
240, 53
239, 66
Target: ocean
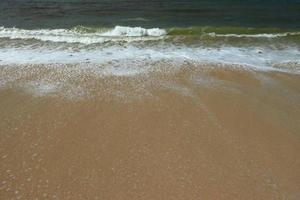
41, 31
35, 14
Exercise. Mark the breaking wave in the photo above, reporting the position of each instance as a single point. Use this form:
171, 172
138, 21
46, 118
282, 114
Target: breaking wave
93, 35
84, 35
75, 45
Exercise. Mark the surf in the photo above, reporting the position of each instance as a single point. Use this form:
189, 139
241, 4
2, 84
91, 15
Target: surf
94, 35
83, 35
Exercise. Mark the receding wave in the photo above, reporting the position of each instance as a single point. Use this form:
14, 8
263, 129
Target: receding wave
127, 56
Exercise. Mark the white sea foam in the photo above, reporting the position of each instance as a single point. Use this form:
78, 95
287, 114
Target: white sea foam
51, 68
134, 59
259, 35
119, 33
135, 32
43, 71
130, 58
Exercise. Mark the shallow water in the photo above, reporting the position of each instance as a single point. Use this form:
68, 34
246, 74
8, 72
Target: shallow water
259, 34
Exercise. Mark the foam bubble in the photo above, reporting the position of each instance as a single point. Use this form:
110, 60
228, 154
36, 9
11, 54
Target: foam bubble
41, 88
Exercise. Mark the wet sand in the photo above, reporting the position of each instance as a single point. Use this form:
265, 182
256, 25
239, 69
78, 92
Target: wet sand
215, 133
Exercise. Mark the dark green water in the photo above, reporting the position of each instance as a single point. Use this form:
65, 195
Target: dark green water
32, 14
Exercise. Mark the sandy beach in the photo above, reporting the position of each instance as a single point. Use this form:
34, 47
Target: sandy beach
149, 100
208, 132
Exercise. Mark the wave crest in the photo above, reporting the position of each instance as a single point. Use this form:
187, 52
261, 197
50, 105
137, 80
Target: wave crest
94, 35
135, 32
84, 35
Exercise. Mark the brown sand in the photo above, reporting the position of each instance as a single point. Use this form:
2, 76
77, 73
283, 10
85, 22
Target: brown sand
212, 134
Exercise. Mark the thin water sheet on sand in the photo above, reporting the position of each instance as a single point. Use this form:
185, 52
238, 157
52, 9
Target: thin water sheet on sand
191, 132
